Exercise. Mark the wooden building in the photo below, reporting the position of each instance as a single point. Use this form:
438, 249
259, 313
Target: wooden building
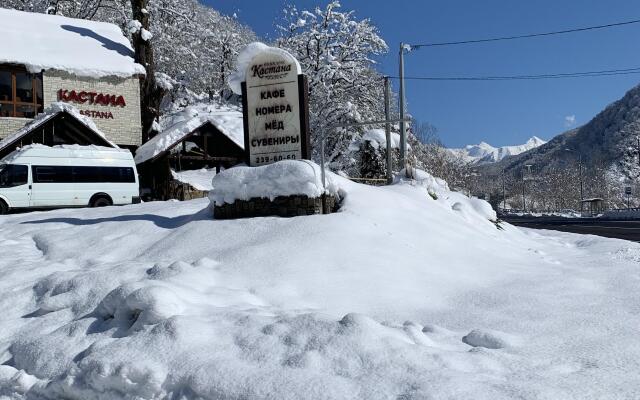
60, 124
212, 138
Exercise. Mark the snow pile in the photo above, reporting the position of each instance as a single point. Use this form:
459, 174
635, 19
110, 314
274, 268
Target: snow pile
51, 111
176, 126
284, 178
199, 179
471, 209
80, 47
244, 59
397, 296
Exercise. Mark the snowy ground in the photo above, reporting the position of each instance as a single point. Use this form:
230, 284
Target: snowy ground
398, 296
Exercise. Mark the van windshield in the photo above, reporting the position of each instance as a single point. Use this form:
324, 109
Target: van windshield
13, 175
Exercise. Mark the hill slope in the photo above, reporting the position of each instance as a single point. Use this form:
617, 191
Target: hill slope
609, 139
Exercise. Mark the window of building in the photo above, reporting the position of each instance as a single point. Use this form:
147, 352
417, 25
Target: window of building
20, 93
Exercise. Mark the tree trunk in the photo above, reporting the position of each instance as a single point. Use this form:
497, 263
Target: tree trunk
150, 94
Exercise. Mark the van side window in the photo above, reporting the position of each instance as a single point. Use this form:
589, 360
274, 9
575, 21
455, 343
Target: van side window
66, 174
13, 175
103, 174
52, 174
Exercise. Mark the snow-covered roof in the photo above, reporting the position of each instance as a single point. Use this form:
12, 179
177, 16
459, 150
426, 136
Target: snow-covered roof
175, 127
84, 48
50, 112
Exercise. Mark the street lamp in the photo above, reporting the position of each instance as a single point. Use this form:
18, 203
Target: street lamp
580, 174
404, 48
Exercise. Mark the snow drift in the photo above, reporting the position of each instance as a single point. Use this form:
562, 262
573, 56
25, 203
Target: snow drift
159, 300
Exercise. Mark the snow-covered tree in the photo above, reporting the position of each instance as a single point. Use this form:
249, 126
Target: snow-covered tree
337, 52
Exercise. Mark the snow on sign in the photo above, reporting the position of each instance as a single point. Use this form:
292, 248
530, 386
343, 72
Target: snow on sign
275, 108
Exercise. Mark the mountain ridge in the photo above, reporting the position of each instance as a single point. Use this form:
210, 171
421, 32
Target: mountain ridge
608, 140
484, 153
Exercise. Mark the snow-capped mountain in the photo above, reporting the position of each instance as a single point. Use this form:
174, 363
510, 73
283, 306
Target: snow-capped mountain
484, 153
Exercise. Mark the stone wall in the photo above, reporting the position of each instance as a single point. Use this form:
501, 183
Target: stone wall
283, 206
183, 191
125, 128
10, 125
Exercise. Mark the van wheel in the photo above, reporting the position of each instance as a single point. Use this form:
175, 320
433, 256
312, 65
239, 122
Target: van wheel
100, 201
3, 208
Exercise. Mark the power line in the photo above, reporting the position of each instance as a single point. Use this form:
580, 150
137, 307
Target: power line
532, 35
610, 72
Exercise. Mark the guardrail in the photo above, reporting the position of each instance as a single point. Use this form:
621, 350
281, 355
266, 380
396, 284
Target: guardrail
518, 211
624, 209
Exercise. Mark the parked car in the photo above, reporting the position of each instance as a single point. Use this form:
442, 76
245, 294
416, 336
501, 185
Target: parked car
39, 176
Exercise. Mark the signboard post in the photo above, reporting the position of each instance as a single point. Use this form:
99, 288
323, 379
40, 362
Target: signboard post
275, 110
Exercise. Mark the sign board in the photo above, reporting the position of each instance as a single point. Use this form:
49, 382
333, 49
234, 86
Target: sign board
627, 190
275, 110
80, 97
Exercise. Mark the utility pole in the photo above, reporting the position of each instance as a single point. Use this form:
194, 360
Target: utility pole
580, 175
387, 126
403, 126
524, 201
504, 192
581, 185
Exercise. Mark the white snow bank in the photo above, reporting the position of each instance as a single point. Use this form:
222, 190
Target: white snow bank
159, 300
176, 126
199, 179
284, 178
51, 111
244, 59
81, 47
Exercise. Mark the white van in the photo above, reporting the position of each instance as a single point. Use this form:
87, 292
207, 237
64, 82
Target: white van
39, 176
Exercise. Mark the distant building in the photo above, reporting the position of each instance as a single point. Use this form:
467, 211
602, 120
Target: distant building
47, 58
592, 207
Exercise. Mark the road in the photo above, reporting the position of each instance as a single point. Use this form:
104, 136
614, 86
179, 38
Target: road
628, 230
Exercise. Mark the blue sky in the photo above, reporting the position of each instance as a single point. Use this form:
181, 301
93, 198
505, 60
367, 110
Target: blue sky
500, 113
